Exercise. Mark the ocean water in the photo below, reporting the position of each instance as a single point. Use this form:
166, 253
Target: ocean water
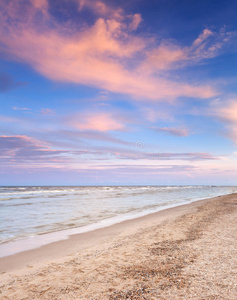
26, 212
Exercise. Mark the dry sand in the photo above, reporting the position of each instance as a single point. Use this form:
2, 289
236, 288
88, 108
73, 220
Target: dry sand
187, 252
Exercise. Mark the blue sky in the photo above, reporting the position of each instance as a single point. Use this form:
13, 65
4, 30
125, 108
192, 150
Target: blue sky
118, 93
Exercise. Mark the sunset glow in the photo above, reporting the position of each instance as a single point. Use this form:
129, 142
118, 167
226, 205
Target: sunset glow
118, 92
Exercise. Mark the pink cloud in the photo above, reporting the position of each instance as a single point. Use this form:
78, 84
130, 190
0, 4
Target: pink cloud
227, 113
20, 108
102, 121
138, 155
172, 131
136, 20
17, 142
98, 55
171, 56
21, 148
101, 9
163, 57
202, 37
40, 4
47, 111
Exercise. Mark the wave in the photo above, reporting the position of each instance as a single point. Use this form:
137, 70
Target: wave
38, 210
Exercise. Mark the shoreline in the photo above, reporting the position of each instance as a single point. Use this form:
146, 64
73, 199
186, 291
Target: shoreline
68, 241
185, 252
16, 246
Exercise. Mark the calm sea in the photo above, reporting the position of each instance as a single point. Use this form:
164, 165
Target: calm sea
31, 211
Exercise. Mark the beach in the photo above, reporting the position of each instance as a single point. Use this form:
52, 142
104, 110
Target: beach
184, 252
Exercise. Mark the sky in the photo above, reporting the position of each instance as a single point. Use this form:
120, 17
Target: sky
135, 92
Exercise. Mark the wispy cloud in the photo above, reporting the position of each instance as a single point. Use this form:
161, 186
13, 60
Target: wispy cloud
227, 113
97, 121
75, 136
136, 20
21, 148
19, 144
27, 152
100, 9
172, 131
21, 108
107, 55
8, 83
47, 111
168, 55
139, 155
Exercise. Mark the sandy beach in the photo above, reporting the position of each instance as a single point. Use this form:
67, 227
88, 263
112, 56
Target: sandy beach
186, 252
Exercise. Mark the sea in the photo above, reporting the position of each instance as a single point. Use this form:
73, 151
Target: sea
32, 216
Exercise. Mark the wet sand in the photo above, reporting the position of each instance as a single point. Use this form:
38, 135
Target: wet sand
186, 252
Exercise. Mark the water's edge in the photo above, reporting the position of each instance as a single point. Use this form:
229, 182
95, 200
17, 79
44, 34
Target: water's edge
37, 241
